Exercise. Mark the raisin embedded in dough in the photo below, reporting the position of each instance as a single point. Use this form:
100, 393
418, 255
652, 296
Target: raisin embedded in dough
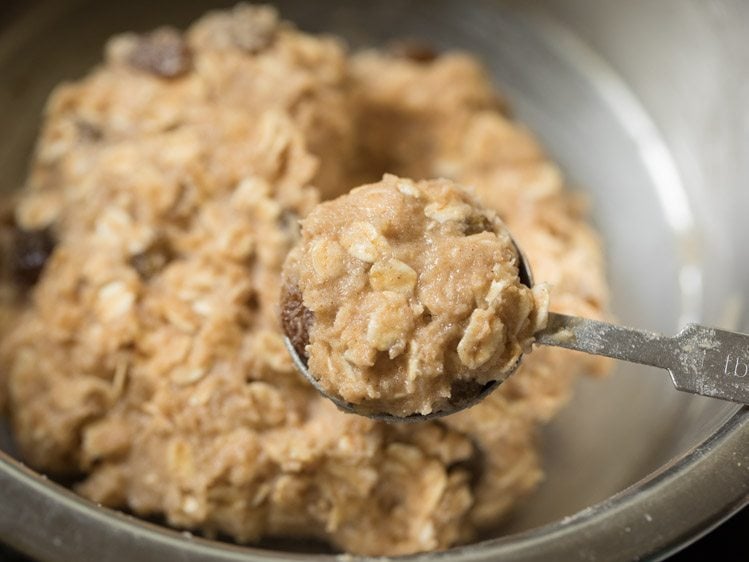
163, 53
297, 320
29, 254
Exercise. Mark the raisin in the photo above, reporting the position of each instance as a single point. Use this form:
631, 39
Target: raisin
477, 224
253, 28
475, 466
465, 391
414, 50
253, 302
29, 254
289, 222
152, 260
88, 131
163, 53
296, 319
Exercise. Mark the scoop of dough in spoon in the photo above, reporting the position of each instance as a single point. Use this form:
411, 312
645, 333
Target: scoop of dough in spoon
407, 299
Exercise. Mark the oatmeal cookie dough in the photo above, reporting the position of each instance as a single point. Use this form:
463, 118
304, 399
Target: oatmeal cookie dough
146, 352
143, 352
414, 295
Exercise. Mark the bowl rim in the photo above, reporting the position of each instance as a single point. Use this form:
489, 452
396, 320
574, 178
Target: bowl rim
655, 517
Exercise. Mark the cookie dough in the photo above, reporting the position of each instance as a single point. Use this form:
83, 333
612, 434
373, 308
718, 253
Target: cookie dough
411, 301
141, 348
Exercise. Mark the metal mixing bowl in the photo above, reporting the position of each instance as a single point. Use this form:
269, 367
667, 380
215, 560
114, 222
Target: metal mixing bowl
643, 104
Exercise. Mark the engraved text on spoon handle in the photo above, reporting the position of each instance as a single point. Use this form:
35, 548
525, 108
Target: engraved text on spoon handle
701, 360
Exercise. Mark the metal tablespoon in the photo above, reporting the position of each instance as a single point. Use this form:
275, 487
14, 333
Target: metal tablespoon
700, 360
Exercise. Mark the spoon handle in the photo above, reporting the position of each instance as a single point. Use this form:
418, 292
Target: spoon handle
701, 360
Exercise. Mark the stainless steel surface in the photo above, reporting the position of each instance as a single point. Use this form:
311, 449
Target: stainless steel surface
700, 360
643, 104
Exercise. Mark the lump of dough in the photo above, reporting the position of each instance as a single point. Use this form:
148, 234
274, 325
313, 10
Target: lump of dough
411, 300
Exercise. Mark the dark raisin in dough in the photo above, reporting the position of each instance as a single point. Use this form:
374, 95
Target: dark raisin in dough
152, 260
29, 254
163, 53
296, 319
414, 50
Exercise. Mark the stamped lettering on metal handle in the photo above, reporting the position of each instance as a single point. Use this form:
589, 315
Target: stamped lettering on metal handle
700, 360
712, 362
738, 368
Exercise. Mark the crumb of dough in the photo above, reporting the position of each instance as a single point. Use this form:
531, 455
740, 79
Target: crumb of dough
148, 356
410, 297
